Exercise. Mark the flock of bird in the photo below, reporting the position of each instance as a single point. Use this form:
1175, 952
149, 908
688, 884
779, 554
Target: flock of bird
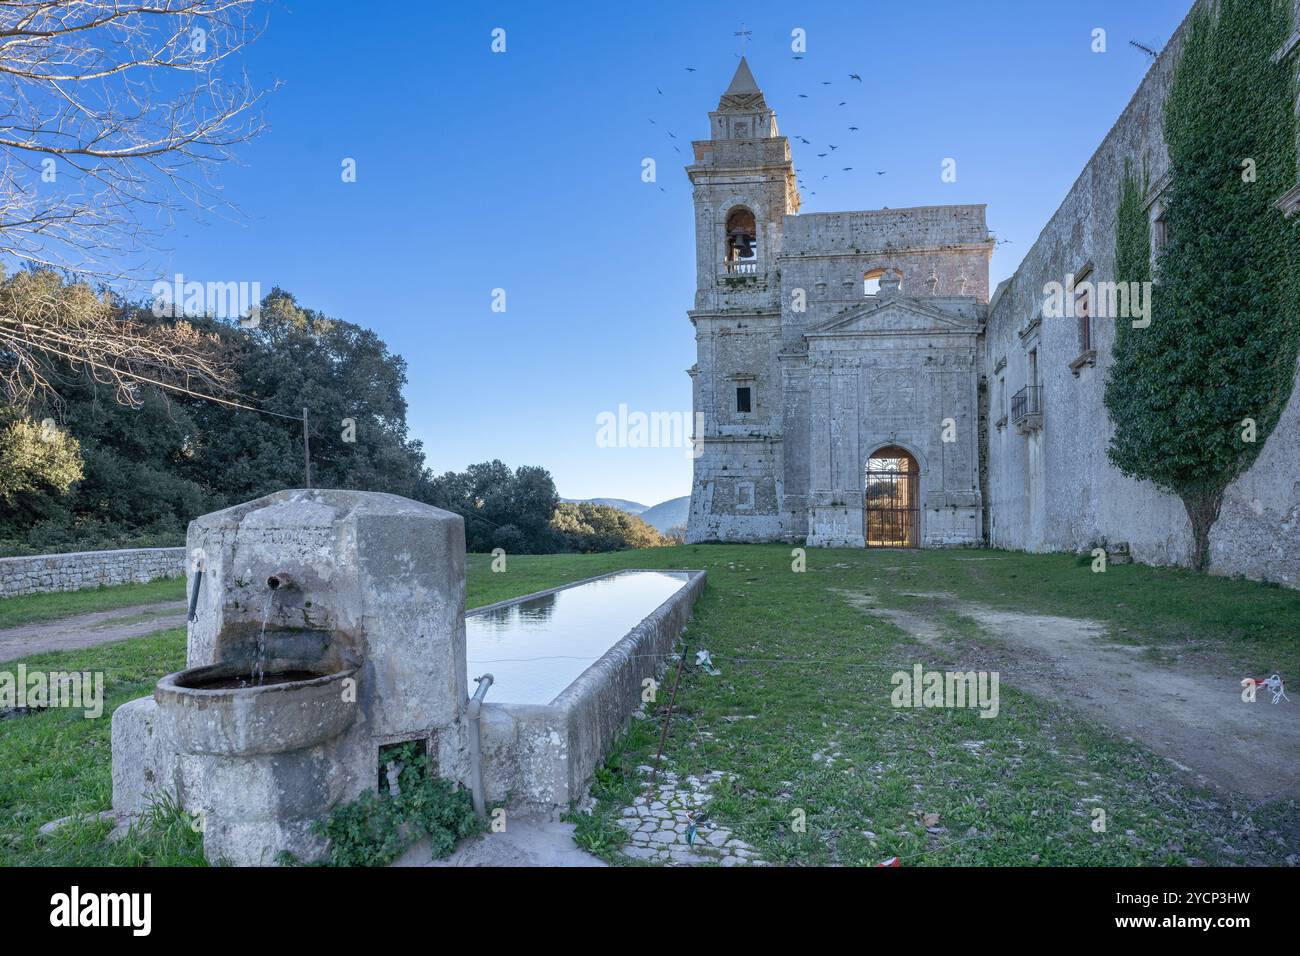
830, 148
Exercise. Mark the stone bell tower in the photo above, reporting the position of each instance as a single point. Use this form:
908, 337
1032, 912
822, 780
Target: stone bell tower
744, 188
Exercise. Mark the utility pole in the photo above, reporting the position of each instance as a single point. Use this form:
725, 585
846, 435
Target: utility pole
306, 449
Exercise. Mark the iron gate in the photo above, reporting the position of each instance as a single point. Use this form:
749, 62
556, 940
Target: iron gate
892, 512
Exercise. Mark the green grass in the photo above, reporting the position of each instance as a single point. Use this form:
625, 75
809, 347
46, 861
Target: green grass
31, 608
814, 672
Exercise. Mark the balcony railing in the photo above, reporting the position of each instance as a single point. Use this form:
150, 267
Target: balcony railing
741, 267
1027, 406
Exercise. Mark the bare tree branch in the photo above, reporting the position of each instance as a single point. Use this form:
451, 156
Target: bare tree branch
114, 116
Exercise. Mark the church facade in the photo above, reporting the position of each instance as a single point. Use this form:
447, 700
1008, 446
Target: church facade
839, 354
858, 384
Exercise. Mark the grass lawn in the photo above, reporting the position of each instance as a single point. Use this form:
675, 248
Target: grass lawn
31, 608
805, 683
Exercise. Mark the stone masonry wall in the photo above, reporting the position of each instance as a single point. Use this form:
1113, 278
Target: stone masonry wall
87, 569
1053, 488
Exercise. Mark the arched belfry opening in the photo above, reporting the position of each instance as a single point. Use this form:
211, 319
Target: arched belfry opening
892, 499
742, 236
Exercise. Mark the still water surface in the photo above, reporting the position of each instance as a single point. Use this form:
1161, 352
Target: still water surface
535, 649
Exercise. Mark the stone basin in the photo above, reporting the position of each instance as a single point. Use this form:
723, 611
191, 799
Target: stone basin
282, 715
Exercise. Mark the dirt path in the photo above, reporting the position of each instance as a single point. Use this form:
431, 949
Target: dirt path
87, 630
1195, 718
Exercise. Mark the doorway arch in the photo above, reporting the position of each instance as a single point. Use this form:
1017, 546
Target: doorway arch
891, 499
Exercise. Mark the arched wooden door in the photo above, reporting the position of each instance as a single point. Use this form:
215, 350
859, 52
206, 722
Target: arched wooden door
892, 513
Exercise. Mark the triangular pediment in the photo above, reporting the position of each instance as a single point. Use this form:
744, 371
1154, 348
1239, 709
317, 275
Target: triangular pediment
897, 315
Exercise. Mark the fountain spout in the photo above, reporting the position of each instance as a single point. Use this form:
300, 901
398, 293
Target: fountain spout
280, 581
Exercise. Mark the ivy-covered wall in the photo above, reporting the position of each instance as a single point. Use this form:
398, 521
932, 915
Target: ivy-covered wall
1054, 489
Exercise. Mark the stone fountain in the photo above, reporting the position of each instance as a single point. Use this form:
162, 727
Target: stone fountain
327, 626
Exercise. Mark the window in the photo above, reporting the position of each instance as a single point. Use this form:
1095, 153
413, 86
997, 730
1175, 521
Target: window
871, 281
1083, 310
742, 400
1159, 233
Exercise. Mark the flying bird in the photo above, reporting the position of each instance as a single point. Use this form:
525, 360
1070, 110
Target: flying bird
880, 172
803, 96
845, 103
1145, 49
833, 148
796, 58
826, 82
690, 69
853, 129
848, 169
822, 155
659, 91
854, 76
804, 141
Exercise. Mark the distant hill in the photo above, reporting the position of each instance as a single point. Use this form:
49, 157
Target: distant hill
667, 514
622, 504
661, 517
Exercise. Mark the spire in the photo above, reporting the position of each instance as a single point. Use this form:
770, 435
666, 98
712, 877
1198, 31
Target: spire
743, 81
743, 93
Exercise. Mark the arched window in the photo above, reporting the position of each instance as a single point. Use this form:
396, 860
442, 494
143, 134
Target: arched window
742, 236
871, 280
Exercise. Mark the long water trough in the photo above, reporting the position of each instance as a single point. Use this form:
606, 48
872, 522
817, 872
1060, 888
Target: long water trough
569, 668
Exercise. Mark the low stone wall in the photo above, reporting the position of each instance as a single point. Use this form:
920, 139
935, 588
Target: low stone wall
40, 573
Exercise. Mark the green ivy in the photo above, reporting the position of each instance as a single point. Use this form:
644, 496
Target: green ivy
1225, 321
375, 829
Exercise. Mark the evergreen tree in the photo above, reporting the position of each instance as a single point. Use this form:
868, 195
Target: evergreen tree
1195, 395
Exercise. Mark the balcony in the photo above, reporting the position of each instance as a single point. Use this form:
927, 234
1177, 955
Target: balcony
741, 267
1027, 409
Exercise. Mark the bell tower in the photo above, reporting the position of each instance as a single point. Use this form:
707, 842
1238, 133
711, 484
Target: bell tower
744, 185
744, 188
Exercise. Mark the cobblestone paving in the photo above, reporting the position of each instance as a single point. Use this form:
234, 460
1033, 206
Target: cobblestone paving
659, 824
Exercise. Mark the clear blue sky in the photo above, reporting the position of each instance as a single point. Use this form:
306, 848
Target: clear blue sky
522, 171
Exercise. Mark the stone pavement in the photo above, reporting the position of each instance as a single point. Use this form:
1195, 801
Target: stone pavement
659, 825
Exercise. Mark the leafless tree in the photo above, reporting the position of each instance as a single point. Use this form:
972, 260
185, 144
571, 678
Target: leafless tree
115, 116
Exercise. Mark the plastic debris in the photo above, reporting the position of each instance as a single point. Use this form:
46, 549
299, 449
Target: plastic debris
703, 660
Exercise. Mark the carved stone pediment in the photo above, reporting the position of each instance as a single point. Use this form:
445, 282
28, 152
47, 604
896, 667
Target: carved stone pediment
897, 315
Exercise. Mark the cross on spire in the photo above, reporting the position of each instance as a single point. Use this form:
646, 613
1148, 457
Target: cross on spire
744, 37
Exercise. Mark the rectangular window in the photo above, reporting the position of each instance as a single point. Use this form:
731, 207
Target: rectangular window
1083, 310
742, 400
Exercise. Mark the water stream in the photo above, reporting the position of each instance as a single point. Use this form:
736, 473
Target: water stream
259, 662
